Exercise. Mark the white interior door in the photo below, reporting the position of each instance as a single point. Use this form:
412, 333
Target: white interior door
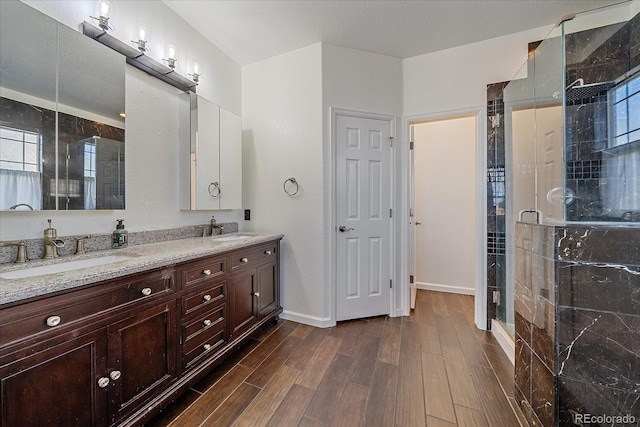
363, 215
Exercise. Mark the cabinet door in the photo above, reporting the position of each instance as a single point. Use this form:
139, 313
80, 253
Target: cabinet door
142, 358
230, 160
57, 386
242, 302
268, 292
207, 155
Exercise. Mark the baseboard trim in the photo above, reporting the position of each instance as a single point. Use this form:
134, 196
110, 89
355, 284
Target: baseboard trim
445, 288
318, 322
504, 339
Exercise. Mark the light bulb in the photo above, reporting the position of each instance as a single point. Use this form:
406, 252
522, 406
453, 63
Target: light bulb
104, 8
141, 34
196, 68
172, 52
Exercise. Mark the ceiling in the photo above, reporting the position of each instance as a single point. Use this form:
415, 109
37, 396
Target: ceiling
249, 31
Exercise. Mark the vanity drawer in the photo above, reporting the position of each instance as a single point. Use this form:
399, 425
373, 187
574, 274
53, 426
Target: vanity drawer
196, 272
57, 312
204, 342
253, 256
200, 330
209, 296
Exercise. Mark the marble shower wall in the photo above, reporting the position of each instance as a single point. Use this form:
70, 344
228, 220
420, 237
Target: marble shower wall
577, 322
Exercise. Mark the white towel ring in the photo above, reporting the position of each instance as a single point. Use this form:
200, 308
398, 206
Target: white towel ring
293, 181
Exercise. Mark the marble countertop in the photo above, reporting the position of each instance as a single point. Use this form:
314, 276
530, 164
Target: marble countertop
143, 258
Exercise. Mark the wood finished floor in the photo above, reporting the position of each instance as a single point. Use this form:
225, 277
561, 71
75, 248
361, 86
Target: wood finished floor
432, 368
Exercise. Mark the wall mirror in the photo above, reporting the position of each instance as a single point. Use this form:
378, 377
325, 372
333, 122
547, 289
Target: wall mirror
62, 104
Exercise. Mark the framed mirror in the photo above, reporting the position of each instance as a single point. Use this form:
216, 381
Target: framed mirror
62, 110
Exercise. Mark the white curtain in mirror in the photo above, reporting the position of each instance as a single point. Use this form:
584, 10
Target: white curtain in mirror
20, 188
89, 192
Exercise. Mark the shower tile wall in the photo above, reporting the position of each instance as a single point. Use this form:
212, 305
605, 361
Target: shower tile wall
587, 115
577, 286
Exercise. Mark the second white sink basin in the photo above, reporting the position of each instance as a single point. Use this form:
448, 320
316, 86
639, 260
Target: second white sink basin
230, 238
64, 266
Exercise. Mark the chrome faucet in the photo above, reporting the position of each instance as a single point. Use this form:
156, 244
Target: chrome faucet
21, 255
51, 242
214, 226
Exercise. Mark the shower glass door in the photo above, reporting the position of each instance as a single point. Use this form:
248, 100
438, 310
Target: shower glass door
534, 158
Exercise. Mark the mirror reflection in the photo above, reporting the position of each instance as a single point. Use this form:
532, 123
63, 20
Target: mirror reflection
61, 129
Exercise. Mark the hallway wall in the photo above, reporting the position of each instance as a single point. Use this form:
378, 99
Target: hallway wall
445, 204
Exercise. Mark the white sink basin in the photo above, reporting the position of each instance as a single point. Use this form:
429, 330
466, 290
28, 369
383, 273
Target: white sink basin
63, 266
230, 238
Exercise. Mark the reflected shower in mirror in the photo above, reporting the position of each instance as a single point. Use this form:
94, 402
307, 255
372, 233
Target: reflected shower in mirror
58, 88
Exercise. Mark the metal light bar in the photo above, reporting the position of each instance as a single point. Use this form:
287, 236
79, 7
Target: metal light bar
138, 59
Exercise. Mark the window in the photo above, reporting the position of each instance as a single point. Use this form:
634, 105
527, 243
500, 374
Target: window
624, 111
20, 150
90, 160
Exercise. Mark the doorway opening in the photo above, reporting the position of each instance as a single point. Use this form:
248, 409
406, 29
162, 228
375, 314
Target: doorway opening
446, 186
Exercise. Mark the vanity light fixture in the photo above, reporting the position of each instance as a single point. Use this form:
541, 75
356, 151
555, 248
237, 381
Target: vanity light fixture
172, 56
138, 59
196, 75
104, 7
142, 36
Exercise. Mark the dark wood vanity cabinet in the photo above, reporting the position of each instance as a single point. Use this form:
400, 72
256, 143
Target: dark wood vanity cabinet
116, 352
254, 286
89, 370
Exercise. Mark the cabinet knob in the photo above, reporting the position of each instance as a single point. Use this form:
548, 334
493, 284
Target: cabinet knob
207, 347
207, 272
207, 297
146, 291
267, 252
103, 382
115, 375
256, 294
207, 322
244, 259
53, 320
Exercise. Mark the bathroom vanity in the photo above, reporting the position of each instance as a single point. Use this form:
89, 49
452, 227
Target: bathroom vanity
80, 350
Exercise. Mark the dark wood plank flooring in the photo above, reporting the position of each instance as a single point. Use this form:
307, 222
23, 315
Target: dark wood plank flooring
432, 368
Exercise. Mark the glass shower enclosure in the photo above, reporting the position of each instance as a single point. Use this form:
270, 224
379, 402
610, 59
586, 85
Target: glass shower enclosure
572, 137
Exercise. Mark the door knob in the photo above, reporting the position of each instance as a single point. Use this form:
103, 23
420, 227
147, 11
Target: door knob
342, 229
418, 223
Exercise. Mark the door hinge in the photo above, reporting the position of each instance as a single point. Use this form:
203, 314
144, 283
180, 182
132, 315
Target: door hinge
390, 141
496, 297
391, 283
390, 213
410, 145
411, 278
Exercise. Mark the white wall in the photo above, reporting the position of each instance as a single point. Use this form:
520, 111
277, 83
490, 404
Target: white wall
151, 127
456, 79
287, 132
282, 138
445, 204
358, 81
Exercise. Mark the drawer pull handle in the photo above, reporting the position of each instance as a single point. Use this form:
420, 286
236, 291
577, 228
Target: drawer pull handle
146, 291
256, 294
267, 252
115, 375
244, 260
103, 382
53, 321
207, 272
207, 297
207, 322
207, 347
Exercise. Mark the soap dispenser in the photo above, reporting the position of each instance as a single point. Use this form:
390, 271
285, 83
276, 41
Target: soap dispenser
120, 235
